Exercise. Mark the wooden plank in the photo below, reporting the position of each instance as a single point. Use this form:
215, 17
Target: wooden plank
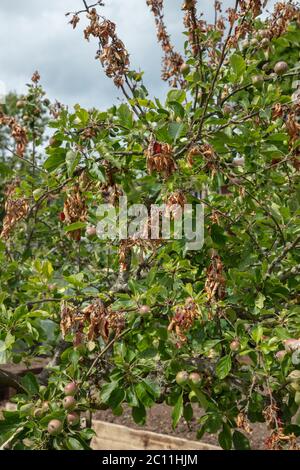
115, 437
20, 369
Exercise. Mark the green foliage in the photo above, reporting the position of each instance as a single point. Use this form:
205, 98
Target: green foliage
242, 285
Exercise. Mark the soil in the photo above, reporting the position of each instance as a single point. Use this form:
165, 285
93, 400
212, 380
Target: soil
159, 420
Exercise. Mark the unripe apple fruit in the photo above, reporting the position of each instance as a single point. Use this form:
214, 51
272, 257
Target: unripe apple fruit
144, 309
297, 398
91, 231
280, 355
257, 81
234, 345
295, 386
55, 427
38, 413
281, 67
265, 43
77, 121
228, 109
245, 44
245, 360
238, 161
193, 396
182, 378
291, 344
195, 378
53, 142
294, 376
73, 419
69, 403
20, 104
45, 406
70, 389
43, 388
264, 33
185, 68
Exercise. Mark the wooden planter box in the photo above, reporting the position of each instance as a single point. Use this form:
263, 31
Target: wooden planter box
115, 437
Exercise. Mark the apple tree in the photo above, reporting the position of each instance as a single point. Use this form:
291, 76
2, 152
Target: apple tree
138, 321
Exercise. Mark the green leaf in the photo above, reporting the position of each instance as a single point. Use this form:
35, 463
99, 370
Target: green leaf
212, 422
75, 226
217, 234
224, 438
240, 441
8, 430
131, 397
259, 303
177, 411
107, 390
176, 95
37, 193
29, 381
143, 395
72, 160
175, 130
125, 116
76, 279
55, 160
257, 333
177, 108
9, 341
238, 64
223, 367
188, 412
87, 434
116, 397
152, 388
98, 172
74, 444
139, 415
201, 398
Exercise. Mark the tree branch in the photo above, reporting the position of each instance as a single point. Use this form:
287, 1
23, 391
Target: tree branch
283, 254
8, 379
62, 345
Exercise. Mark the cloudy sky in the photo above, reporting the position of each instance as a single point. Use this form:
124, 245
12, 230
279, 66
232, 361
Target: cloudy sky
34, 34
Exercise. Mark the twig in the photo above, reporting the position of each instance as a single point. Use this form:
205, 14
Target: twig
103, 351
8, 379
25, 160
294, 271
283, 254
5, 444
62, 345
222, 58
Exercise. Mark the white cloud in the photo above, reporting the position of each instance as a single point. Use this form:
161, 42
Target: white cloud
34, 34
